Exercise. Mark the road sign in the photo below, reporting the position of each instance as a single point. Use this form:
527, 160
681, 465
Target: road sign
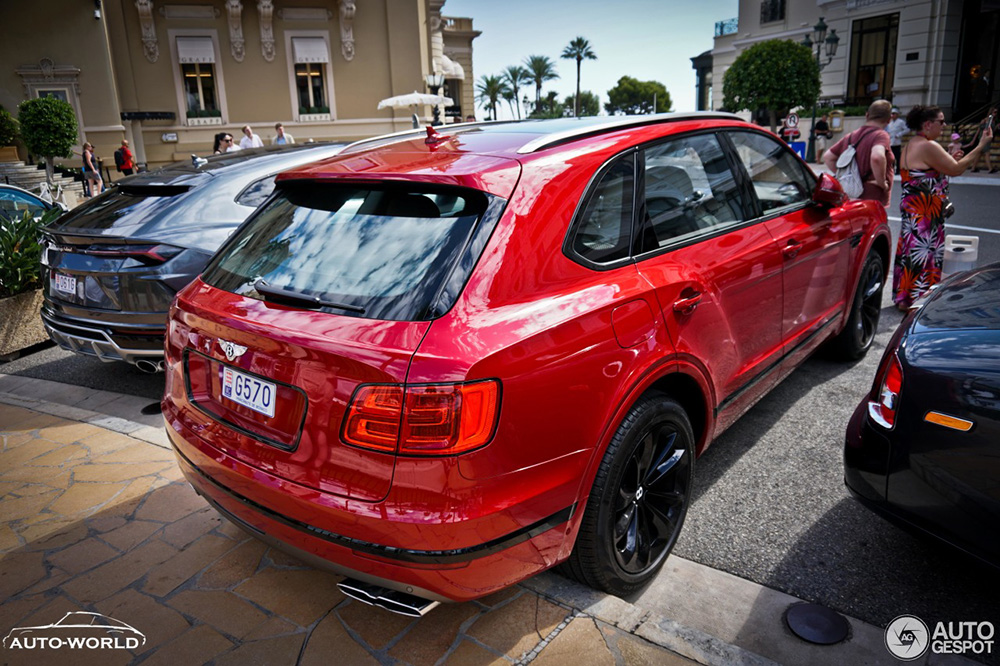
792, 120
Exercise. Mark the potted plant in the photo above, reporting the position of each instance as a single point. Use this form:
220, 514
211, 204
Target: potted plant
8, 136
21, 281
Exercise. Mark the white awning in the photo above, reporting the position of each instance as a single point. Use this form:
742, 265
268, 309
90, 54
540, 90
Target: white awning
451, 69
310, 49
195, 49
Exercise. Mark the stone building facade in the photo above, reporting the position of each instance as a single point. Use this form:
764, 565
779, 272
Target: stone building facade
169, 75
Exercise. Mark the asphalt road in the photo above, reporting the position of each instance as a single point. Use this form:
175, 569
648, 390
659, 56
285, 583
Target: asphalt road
770, 505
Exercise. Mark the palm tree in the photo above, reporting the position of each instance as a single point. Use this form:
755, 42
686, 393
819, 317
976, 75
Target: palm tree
578, 49
540, 70
490, 89
515, 76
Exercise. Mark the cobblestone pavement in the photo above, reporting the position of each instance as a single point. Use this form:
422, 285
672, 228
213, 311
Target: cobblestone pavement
100, 521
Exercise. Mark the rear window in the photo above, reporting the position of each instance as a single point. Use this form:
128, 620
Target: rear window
119, 207
377, 252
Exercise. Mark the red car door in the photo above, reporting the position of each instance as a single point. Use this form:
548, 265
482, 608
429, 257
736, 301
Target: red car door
815, 246
717, 277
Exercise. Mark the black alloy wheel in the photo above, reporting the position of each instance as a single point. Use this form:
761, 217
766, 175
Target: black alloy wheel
651, 499
856, 339
640, 496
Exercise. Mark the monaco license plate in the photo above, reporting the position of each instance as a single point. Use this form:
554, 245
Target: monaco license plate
248, 391
65, 283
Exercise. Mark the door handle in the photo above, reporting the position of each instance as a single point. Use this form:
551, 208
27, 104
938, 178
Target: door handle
686, 305
792, 249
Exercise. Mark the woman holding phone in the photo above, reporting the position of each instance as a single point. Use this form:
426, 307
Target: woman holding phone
925, 167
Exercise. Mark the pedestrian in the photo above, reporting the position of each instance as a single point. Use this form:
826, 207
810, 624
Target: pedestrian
896, 129
820, 134
124, 160
91, 172
470, 118
925, 168
282, 137
955, 147
223, 143
250, 140
871, 146
990, 121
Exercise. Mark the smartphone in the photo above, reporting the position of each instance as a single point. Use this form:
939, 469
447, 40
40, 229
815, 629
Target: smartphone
989, 121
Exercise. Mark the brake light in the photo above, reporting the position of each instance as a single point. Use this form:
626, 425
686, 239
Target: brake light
883, 408
150, 255
435, 419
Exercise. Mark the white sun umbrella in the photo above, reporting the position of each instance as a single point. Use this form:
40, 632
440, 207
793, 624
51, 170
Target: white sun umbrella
414, 99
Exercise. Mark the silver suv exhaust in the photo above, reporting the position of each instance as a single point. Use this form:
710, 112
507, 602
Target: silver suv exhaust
391, 600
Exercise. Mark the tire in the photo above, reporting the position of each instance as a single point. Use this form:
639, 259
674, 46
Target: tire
639, 499
856, 339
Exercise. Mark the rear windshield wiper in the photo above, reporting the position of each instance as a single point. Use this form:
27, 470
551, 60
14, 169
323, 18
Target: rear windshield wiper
280, 295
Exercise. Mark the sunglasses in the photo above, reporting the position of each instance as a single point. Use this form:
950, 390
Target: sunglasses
227, 141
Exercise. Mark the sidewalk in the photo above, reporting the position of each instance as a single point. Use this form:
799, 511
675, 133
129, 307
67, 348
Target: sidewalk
96, 517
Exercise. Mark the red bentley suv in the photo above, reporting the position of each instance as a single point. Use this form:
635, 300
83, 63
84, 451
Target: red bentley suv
442, 362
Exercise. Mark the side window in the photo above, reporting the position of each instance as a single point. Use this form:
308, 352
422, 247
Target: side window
778, 178
604, 228
688, 189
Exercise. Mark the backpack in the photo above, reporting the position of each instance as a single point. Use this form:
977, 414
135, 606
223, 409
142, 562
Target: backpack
847, 170
119, 159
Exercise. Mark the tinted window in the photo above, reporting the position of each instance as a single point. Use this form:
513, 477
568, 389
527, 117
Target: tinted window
388, 252
256, 192
605, 226
778, 177
688, 190
13, 204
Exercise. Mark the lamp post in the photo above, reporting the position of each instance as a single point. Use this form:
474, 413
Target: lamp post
527, 104
819, 38
434, 83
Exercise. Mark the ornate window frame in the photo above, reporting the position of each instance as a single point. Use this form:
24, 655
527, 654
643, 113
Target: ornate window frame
220, 82
327, 76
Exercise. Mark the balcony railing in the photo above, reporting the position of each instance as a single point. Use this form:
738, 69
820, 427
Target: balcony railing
727, 27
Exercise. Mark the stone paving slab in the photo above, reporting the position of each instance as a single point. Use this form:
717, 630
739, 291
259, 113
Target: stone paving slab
94, 518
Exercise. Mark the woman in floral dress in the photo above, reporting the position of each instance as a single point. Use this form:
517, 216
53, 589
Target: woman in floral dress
925, 167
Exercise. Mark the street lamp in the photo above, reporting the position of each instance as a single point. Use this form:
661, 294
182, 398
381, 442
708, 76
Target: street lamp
434, 82
526, 103
818, 39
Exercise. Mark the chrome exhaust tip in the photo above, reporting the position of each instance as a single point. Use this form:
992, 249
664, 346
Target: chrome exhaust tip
391, 600
149, 367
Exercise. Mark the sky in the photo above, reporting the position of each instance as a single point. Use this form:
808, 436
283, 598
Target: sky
645, 39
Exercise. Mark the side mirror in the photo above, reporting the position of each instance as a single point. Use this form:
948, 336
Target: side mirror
828, 192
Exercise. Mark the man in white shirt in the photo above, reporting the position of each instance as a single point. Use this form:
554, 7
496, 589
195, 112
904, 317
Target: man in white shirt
250, 140
282, 137
896, 129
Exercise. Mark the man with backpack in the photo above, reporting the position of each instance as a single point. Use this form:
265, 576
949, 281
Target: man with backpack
872, 160
124, 162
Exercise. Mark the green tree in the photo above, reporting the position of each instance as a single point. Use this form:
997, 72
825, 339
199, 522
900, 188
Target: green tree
549, 106
775, 74
578, 49
590, 104
633, 97
8, 128
490, 90
516, 76
48, 127
540, 70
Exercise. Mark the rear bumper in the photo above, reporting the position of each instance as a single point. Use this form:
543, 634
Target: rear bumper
411, 551
108, 342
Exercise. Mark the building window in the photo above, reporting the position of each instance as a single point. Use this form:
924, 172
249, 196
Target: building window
312, 57
196, 56
873, 58
771, 11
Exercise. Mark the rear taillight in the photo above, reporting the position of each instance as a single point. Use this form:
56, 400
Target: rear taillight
150, 255
428, 419
883, 406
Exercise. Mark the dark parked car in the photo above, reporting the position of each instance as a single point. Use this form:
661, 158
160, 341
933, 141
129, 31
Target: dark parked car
116, 262
440, 363
14, 201
923, 448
